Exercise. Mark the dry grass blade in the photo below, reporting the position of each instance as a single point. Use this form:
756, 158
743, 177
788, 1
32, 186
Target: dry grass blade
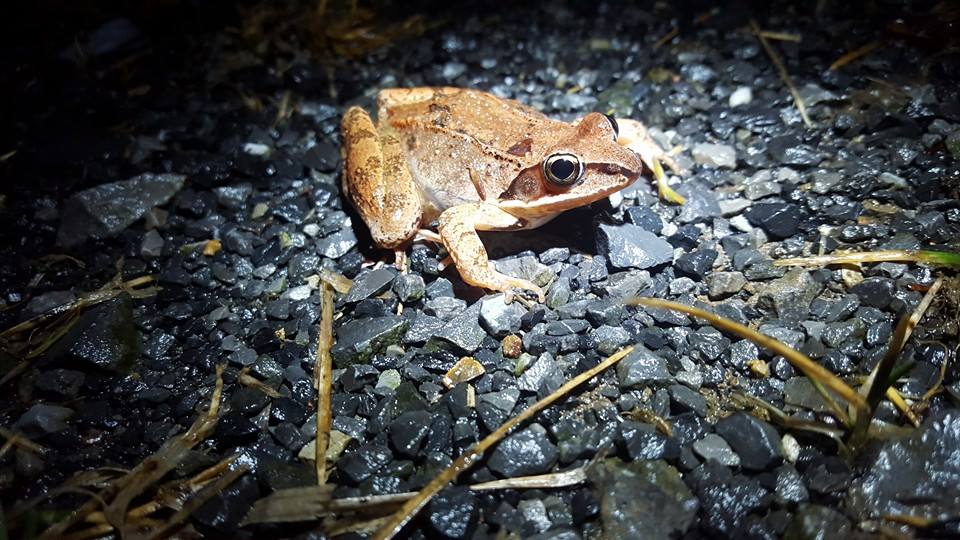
313, 502
152, 469
541, 481
879, 381
937, 258
813, 370
176, 521
920, 522
15, 439
938, 384
853, 55
781, 36
674, 32
790, 422
339, 282
32, 337
901, 334
170, 495
323, 382
902, 406
475, 452
249, 380
782, 70
115, 499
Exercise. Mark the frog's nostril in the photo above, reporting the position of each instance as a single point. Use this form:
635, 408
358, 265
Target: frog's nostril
610, 168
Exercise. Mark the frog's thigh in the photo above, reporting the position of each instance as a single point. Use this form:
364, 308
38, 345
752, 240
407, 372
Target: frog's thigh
377, 180
458, 228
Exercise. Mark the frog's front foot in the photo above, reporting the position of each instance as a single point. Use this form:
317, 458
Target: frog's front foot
458, 228
634, 136
512, 284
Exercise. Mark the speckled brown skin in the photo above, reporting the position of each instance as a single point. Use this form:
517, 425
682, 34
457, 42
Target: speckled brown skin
463, 161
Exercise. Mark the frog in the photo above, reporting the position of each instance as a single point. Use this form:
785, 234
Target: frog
443, 163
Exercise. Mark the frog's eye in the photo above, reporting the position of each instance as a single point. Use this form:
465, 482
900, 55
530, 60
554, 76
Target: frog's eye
613, 124
563, 169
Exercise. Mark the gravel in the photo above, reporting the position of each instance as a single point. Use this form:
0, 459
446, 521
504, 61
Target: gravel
215, 167
631, 246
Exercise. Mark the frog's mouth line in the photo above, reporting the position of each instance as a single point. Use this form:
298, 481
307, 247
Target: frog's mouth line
559, 202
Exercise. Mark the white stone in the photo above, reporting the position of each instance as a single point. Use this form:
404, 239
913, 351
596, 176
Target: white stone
741, 96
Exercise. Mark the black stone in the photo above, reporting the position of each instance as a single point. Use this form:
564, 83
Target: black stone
362, 463
235, 429
755, 441
104, 337
875, 292
358, 340
524, 453
454, 512
779, 220
643, 499
630, 246
696, 264
370, 284
644, 218
221, 515
408, 431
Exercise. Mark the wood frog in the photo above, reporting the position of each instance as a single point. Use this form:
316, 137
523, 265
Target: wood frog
461, 161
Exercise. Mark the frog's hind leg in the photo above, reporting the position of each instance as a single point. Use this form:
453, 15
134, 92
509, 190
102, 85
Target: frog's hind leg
634, 136
377, 181
458, 228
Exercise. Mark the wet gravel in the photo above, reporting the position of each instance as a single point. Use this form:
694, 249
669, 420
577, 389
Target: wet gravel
207, 137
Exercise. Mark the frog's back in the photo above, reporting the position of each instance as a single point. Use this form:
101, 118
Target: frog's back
463, 145
502, 124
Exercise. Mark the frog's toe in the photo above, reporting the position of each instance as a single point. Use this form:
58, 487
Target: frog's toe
400, 260
510, 284
667, 158
529, 286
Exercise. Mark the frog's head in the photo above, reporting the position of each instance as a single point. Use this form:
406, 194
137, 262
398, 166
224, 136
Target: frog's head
584, 166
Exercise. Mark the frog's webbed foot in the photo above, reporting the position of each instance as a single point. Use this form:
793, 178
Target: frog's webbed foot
634, 136
458, 228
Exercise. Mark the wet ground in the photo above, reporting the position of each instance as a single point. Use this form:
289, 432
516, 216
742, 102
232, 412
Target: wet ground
202, 148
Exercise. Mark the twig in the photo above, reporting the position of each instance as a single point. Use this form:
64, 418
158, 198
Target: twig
938, 258
781, 36
782, 70
943, 373
249, 380
115, 499
541, 481
814, 371
875, 386
16, 439
339, 282
894, 397
210, 490
853, 55
475, 452
674, 32
323, 382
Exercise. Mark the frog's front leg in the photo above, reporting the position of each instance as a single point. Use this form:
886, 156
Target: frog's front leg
634, 136
458, 228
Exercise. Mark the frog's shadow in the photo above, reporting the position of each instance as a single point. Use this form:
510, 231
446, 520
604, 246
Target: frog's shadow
574, 229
